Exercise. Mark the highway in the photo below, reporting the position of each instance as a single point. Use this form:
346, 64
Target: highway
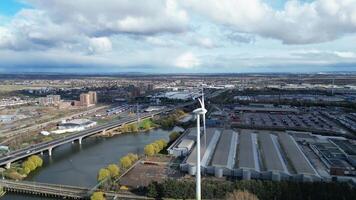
41, 147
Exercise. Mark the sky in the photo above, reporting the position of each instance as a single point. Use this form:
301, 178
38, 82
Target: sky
177, 36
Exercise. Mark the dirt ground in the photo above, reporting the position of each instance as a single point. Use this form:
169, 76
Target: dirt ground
151, 169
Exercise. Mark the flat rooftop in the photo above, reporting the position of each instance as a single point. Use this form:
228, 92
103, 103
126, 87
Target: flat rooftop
271, 156
295, 155
247, 151
223, 151
192, 158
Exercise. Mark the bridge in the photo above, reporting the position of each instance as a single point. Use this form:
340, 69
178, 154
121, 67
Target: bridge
60, 191
48, 146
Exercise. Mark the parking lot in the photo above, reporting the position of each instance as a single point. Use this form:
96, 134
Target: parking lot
309, 121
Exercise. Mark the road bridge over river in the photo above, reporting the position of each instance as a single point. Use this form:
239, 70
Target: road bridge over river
79, 136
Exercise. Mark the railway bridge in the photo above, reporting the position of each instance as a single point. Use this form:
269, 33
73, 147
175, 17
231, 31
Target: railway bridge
60, 191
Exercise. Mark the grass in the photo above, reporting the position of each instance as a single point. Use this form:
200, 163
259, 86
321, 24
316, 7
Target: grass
146, 122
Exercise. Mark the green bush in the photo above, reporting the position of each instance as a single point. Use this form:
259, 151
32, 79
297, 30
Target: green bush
264, 190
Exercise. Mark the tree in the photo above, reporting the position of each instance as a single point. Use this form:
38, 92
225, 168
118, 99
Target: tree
103, 174
29, 164
149, 150
114, 170
146, 126
26, 170
36, 160
173, 136
156, 147
133, 157
241, 195
133, 128
125, 128
97, 196
125, 162
159, 143
162, 143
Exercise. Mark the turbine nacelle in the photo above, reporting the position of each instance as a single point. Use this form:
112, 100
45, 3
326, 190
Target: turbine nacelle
199, 111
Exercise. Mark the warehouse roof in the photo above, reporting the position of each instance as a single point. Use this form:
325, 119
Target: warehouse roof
222, 152
247, 152
192, 159
270, 153
295, 155
186, 143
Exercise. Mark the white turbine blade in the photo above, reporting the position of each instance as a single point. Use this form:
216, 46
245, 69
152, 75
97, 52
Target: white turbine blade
204, 130
202, 96
201, 103
203, 106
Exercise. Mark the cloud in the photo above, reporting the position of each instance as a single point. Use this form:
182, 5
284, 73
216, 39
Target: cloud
70, 24
237, 37
204, 42
187, 60
345, 54
100, 45
298, 23
105, 17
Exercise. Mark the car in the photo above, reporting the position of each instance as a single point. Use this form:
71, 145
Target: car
27, 152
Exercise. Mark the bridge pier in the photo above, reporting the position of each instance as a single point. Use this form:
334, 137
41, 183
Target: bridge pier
8, 165
50, 151
80, 140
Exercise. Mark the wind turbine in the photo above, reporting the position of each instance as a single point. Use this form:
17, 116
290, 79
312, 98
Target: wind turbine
198, 112
203, 106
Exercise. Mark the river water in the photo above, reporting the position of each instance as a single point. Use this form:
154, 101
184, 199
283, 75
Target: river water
74, 164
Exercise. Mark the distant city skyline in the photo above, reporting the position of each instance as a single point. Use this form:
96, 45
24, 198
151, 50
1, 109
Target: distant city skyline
177, 36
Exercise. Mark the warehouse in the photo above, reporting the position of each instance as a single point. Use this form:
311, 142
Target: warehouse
247, 154
183, 148
224, 157
271, 157
247, 160
212, 137
303, 169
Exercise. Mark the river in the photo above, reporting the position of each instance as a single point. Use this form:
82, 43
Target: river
74, 164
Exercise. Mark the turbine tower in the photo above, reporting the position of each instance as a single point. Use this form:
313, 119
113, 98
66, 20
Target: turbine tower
198, 112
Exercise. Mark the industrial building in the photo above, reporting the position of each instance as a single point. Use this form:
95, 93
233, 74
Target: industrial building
299, 162
273, 162
74, 126
246, 154
223, 160
206, 151
247, 159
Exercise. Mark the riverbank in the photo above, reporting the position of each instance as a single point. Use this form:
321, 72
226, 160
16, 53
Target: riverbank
2, 192
77, 165
165, 122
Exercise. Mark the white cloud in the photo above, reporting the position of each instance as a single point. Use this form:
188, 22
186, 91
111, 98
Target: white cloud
5, 37
205, 42
104, 17
345, 54
99, 45
187, 60
298, 23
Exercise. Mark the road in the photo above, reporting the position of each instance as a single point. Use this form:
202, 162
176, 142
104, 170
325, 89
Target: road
48, 146
41, 147
10, 135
